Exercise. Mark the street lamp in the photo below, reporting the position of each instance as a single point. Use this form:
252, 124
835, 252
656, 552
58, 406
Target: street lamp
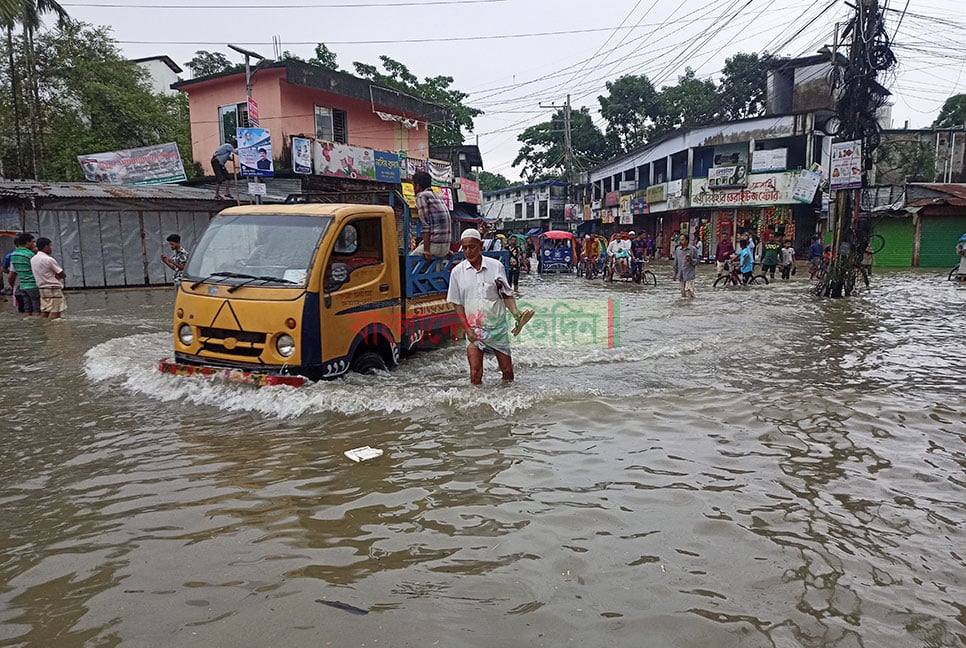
248, 54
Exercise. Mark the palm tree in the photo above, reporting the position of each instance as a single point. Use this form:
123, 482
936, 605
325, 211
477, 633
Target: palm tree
29, 14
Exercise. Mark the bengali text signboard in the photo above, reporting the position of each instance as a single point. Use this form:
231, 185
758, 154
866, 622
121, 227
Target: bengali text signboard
159, 164
763, 189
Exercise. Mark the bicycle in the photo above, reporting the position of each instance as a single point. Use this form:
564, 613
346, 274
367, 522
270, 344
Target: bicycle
954, 274
732, 276
588, 268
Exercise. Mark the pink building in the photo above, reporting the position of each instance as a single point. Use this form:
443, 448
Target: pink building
296, 98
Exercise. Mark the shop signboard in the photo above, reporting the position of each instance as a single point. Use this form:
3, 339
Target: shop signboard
675, 188
387, 167
469, 191
763, 189
625, 206
639, 204
656, 193
846, 165
588, 213
612, 198
771, 160
626, 186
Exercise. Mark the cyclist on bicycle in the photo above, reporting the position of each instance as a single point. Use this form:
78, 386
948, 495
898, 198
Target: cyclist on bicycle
816, 254
746, 260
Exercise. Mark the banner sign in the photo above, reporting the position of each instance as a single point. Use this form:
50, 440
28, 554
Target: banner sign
846, 165
773, 160
727, 177
440, 171
625, 207
255, 152
469, 191
626, 219
387, 167
302, 155
763, 189
675, 188
588, 213
655, 193
627, 185
807, 185
159, 164
344, 161
252, 112
445, 196
612, 198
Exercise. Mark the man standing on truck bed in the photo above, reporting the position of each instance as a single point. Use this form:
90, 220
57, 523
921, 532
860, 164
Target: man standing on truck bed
434, 219
479, 290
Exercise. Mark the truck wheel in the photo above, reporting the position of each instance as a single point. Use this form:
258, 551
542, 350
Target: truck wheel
368, 362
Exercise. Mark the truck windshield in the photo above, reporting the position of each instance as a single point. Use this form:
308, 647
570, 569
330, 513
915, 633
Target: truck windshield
271, 248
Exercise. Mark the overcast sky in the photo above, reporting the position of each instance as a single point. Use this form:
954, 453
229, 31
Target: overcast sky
514, 55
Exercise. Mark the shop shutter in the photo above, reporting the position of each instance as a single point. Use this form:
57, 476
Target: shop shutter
898, 235
937, 241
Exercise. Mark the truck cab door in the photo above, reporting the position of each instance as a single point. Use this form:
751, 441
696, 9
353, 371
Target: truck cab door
359, 295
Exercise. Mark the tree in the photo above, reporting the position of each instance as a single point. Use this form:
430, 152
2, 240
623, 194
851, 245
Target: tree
206, 63
692, 102
542, 154
93, 100
953, 113
446, 130
744, 86
493, 181
324, 57
630, 108
907, 160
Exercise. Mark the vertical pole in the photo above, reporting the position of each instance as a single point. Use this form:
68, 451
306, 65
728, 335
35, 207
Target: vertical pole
248, 95
568, 145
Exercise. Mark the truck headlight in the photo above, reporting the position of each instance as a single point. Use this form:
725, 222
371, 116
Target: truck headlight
285, 345
186, 335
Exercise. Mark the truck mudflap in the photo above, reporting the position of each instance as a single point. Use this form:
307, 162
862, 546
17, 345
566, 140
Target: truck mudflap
243, 376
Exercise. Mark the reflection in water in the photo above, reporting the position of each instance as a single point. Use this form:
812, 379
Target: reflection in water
752, 468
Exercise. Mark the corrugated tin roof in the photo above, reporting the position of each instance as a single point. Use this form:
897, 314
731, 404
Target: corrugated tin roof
949, 194
33, 189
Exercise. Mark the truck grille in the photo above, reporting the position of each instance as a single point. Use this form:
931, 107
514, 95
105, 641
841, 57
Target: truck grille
226, 342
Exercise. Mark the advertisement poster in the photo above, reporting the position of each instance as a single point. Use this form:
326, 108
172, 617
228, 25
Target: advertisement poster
159, 164
469, 191
727, 177
255, 152
301, 155
808, 183
344, 161
846, 170
771, 160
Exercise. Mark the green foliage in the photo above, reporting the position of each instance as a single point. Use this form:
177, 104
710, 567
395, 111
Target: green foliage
493, 181
636, 112
953, 113
631, 108
206, 63
324, 57
92, 100
692, 102
744, 86
542, 153
443, 132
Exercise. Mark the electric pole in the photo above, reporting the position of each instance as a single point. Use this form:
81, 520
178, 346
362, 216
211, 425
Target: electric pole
568, 142
859, 99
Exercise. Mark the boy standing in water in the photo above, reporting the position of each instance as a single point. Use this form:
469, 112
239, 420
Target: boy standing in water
788, 259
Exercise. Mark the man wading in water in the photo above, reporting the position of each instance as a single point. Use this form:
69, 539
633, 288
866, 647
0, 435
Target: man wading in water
479, 290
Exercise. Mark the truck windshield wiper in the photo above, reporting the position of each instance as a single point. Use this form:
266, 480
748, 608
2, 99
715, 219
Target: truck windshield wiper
230, 275
262, 278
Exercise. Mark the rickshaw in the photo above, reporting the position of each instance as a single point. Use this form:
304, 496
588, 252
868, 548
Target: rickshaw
557, 252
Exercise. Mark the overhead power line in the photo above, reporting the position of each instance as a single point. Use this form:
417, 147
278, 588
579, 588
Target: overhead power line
314, 5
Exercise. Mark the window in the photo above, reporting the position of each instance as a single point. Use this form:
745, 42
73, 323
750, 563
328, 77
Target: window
518, 210
330, 125
229, 118
358, 246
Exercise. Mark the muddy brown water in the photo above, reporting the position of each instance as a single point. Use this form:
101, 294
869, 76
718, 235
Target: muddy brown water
753, 468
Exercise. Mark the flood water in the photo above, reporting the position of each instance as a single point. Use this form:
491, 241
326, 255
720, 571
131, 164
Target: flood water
753, 468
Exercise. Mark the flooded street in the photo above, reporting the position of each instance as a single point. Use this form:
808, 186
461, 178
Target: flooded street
753, 468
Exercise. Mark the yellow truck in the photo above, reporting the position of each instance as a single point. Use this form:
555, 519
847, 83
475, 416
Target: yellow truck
275, 293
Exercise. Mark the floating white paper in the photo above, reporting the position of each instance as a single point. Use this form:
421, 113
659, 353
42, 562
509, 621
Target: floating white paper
363, 454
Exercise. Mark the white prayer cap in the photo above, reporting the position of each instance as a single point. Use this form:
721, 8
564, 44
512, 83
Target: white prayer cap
471, 233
